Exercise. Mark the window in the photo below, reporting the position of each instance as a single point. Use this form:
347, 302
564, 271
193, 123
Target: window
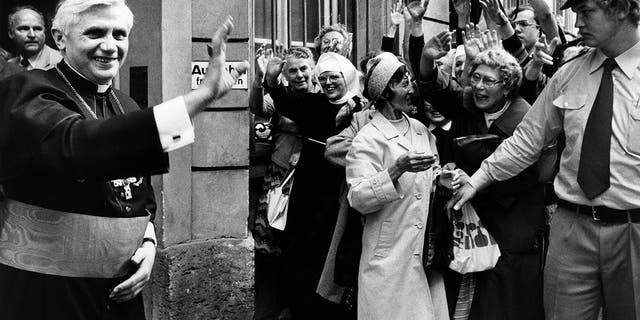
297, 22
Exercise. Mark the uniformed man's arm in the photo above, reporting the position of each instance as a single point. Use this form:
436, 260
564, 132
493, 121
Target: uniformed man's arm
540, 126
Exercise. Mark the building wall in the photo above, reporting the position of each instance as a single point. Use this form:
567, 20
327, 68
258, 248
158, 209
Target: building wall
204, 261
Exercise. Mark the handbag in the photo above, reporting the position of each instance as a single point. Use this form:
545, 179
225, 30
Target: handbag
278, 202
470, 151
474, 249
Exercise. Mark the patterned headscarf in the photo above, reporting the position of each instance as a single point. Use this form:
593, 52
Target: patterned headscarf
381, 69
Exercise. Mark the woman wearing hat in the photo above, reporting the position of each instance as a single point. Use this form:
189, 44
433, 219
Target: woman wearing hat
313, 202
390, 176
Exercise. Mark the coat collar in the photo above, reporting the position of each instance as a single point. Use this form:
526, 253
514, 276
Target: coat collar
510, 119
390, 132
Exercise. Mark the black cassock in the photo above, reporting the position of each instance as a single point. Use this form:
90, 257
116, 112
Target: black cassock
55, 155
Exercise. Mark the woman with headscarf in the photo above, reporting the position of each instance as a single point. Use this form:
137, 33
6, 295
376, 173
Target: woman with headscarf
313, 204
389, 173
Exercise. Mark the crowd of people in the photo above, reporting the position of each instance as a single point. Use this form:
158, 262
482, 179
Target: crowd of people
505, 102
532, 126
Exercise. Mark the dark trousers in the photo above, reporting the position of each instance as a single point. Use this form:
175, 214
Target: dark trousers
270, 288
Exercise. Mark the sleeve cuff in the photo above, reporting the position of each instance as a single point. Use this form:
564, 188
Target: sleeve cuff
150, 233
383, 187
174, 125
480, 180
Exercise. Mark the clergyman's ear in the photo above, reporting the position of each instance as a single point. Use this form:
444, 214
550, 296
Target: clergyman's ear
59, 38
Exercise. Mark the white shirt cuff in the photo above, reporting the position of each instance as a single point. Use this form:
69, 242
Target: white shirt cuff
174, 125
150, 232
480, 180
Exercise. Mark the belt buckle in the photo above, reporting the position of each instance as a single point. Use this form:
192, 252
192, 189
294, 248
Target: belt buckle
593, 214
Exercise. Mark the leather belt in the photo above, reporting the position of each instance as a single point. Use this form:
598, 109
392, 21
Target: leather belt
602, 213
67, 244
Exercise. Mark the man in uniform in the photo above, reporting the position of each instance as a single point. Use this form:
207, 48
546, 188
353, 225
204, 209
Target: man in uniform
27, 31
593, 259
75, 161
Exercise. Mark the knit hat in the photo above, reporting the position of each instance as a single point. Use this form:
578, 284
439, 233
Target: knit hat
381, 69
334, 62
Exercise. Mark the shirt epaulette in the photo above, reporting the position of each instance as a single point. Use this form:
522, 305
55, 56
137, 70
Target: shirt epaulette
581, 53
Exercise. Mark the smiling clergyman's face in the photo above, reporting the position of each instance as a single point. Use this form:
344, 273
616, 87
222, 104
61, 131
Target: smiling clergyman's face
97, 45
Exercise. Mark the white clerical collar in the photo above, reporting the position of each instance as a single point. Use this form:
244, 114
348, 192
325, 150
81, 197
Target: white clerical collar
102, 88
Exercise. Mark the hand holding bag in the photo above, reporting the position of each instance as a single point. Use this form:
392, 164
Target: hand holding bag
278, 203
474, 249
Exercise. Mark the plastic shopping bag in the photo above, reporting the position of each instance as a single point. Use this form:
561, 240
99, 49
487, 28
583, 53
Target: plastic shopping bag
278, 203
474, 249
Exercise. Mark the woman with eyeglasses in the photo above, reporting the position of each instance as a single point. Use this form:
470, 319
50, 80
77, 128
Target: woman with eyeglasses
389, 174
313, 203
513, 211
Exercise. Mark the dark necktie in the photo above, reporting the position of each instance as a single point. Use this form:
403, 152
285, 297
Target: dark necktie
593, 172
24, 62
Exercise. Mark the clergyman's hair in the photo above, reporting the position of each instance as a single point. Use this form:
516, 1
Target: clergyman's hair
68, 12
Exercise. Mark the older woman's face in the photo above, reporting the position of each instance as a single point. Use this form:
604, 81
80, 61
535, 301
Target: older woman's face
489, 93
298, 73
401, 94
332, 41
333, 85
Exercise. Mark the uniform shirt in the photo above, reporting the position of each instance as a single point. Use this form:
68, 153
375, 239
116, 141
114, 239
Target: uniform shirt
564, 105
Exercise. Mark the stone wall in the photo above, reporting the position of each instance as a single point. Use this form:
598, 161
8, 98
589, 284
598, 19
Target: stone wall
204, 262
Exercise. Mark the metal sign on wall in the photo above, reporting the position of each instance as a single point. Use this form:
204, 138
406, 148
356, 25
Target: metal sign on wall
199, 69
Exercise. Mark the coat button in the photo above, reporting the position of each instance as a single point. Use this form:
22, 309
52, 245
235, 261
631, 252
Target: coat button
418, 196
127, 209
419, 225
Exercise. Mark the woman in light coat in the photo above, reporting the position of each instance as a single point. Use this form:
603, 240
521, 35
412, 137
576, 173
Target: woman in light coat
389, 173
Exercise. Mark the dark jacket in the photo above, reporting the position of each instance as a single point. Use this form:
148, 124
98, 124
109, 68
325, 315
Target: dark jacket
53, 155
511, 210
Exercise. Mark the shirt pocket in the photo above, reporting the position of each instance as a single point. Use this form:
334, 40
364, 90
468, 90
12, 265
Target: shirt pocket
570, 101
633, 133
385, 239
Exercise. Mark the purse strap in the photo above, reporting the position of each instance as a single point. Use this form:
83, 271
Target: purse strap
289, 176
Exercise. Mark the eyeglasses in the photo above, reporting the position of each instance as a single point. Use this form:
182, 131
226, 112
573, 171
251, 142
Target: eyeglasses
334, 41
488, 82
332, 77
523, 24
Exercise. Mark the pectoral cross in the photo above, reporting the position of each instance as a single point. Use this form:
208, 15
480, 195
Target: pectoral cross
127, 189
126, 186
